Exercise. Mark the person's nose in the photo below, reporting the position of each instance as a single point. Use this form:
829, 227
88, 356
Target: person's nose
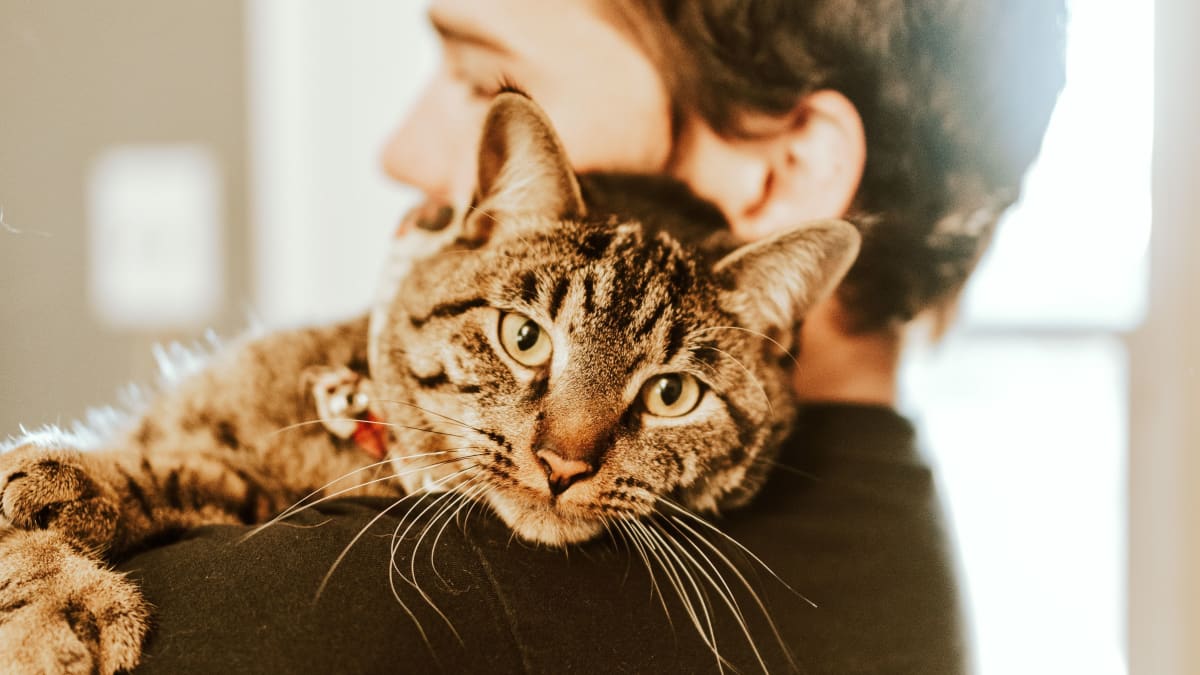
433, 149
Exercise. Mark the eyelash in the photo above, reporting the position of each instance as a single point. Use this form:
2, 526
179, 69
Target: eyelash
502, 83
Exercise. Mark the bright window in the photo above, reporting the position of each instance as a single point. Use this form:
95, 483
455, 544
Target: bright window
1024, 407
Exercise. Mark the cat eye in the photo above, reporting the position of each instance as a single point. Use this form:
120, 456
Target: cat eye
524, 340
671, 395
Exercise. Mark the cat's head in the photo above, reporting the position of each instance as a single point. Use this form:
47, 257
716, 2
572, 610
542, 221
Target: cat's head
575, 368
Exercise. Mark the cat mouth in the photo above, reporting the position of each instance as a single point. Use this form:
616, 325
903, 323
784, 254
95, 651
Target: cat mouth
552, 521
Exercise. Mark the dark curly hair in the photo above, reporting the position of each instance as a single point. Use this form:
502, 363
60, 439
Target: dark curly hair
954, 95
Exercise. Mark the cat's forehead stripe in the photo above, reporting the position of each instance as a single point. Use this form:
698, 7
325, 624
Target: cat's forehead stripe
624, 279
529, 289
589, 291
651, 315
675, 337
561, 286
446, 309
594, 245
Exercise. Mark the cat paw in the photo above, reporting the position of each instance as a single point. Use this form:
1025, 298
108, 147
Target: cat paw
51, 489
62, 612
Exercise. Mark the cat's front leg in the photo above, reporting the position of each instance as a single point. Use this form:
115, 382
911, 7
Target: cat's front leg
62, 610
53, 489
111, 501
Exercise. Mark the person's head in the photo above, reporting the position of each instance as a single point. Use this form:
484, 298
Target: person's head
916, 119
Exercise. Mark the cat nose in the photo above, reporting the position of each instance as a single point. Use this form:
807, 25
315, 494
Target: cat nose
562, 473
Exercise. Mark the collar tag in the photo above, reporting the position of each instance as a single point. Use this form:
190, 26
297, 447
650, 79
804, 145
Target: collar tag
343, 400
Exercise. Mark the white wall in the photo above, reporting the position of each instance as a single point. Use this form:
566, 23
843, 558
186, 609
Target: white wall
328, 81
82, 85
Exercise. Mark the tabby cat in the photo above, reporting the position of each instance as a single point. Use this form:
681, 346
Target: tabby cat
572, 353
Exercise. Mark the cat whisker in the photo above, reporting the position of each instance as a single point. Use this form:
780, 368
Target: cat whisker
400, 474
750, 374
396, 540
475, 208
607, 524
638, 529
696, 536
624, 526
354, 540
617, 538
708, 631
451, 499
735, 543
755, 333
400, 601
478, 503
393, 425
723, 588
793, 470
627, 533
693, 538
412, 615
303, 503
611, 529
466, 498
294, 526
431, 412
365, 528
395, 571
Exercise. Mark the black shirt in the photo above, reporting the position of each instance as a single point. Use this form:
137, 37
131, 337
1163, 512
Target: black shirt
850, 522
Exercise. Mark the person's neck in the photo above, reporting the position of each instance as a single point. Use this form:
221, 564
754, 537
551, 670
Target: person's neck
836, 365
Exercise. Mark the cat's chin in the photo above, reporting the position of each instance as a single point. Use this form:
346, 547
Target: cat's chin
544, 523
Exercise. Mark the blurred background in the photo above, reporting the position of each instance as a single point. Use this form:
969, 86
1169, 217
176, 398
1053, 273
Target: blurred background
168, 169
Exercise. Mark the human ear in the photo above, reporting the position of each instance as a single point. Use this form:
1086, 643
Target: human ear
804, 165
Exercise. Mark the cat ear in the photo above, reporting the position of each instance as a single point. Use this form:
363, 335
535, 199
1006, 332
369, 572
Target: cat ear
522, 165
776, 280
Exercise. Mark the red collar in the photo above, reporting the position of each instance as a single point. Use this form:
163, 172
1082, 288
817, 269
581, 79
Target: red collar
370, 434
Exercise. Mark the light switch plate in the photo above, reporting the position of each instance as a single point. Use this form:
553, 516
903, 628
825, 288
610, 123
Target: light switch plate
155, 236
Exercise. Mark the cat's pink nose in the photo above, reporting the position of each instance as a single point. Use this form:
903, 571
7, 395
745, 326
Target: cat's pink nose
562, 473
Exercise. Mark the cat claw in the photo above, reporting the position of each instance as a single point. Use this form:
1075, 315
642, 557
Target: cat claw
49, 488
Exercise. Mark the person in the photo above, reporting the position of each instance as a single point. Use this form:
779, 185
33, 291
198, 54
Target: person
914, 120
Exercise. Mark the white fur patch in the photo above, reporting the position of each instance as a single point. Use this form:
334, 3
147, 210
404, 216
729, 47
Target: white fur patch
99, 426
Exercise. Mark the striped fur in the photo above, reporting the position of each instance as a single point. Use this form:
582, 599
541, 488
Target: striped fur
622, 304
637, 282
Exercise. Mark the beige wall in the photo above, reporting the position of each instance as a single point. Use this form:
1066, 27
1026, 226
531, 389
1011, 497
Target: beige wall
75, 78
1164, 525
